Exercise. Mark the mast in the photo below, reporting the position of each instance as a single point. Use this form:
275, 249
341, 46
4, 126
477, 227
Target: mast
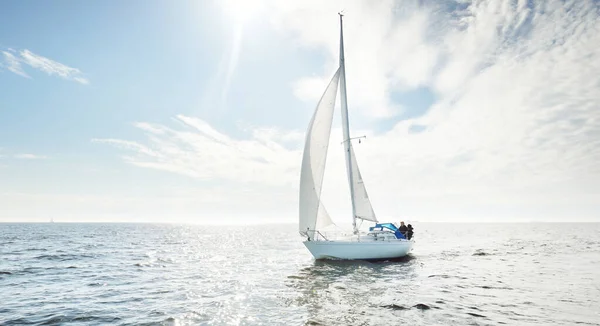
345, 123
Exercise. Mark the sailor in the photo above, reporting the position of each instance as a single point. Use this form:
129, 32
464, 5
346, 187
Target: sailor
403, 229
409, 233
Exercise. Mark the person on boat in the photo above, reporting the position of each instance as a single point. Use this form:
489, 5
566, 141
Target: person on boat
403, 229
409, 232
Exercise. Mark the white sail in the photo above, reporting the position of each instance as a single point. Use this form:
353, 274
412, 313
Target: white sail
362, 205
313, 214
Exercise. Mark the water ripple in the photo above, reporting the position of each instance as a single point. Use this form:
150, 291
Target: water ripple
141, 274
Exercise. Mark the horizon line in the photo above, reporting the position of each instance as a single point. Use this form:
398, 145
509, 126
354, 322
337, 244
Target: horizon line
281, 223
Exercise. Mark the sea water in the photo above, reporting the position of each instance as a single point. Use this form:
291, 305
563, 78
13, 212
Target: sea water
164, 274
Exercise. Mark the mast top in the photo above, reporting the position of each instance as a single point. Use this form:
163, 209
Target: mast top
341, 13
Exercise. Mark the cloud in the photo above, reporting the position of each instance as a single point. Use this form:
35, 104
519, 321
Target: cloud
202, 152
514, 131
30, 157
14, 60
13, 64
382, 52
517, 97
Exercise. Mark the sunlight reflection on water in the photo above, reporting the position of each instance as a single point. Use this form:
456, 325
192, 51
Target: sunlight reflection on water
522, 274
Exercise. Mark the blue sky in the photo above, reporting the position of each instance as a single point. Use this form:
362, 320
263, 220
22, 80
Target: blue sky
160, 111
145, 62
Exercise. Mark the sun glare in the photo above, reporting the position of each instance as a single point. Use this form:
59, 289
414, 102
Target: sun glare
242, 11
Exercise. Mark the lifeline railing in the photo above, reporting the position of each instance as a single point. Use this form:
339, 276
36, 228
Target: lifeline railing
315, 235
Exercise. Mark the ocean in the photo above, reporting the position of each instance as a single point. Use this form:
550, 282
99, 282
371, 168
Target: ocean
167, 274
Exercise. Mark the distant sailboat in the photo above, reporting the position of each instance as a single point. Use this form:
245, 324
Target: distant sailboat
383, 240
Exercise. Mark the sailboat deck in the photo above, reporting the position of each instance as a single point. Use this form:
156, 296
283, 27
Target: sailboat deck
374, 236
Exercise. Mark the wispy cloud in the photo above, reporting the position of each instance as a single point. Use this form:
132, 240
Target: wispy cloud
13, 64
384, 50
13, 60
25, 156
52, 67
515, 122
516, 97
202, 152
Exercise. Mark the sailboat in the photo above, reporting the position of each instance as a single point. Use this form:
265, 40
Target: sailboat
383, 240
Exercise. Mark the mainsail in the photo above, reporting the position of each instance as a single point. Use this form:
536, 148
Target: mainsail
313, 214
361, 205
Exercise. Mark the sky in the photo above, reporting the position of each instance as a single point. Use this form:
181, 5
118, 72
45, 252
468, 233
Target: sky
196, 111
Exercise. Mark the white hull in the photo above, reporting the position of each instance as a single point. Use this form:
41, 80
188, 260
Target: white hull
359, 249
